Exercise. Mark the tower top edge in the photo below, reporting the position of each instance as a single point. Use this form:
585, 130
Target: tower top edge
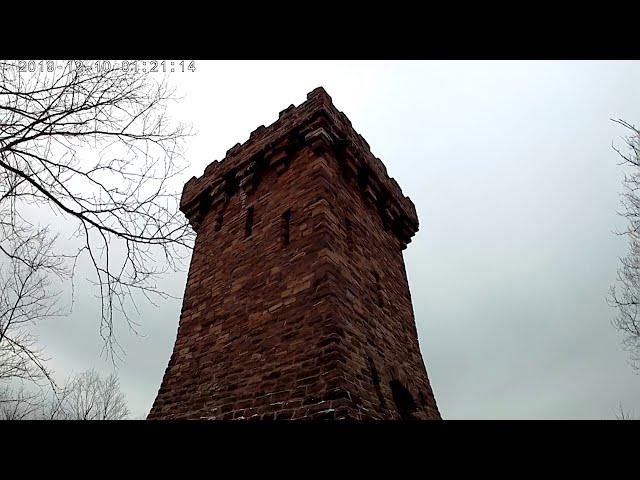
301, 125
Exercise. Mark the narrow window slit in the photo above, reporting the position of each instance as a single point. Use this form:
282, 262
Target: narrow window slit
248, 228
286, 221
379, 296
374, 372
375, 378
363, 177
218, 224
403, 399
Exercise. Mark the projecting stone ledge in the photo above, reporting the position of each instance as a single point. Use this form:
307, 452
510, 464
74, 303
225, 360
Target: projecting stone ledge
315, 123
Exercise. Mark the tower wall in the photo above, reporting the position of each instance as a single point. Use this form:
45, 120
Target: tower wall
303, 310
252, 339
379, 343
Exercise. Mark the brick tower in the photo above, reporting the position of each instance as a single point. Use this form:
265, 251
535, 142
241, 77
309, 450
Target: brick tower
297, 304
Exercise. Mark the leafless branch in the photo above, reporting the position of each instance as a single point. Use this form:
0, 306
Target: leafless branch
87, 396
624, 295
98, 149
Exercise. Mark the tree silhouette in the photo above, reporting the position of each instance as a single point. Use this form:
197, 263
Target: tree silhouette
94, 148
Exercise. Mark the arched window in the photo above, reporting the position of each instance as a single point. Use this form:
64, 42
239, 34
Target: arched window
375, 378
403, 399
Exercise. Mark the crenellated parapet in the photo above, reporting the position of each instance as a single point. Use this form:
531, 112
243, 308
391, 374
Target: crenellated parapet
297, 302
314, 124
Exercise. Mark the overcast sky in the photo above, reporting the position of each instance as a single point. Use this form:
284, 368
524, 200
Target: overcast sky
510, 166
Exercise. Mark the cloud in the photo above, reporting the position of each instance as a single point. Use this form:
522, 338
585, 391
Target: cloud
516, 185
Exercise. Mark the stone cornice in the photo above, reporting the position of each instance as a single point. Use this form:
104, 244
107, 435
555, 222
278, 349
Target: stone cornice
316, 124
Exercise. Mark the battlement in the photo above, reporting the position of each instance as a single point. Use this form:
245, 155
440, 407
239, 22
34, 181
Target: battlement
316, 123
297, 303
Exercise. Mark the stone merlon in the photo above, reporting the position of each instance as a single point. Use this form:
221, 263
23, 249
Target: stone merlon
315, 123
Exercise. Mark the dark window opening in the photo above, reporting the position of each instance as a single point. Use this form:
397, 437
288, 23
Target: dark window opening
261, 166
379, 296
374, 372
405, 404
248, 228
376, 382
218, 224
286, 220
363, 177
231, 184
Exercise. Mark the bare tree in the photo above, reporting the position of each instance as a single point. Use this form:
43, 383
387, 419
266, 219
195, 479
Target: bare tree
26, 296
623, 414
19, 403
91, 397
625, 293
93, 147
86, 396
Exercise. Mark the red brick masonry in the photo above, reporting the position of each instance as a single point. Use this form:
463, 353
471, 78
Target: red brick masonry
297, 304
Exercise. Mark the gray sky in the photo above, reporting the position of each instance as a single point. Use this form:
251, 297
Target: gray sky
510, 166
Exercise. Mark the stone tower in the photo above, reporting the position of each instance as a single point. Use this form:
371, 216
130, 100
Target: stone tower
297, 304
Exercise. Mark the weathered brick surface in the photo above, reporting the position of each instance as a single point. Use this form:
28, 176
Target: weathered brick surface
297, 304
